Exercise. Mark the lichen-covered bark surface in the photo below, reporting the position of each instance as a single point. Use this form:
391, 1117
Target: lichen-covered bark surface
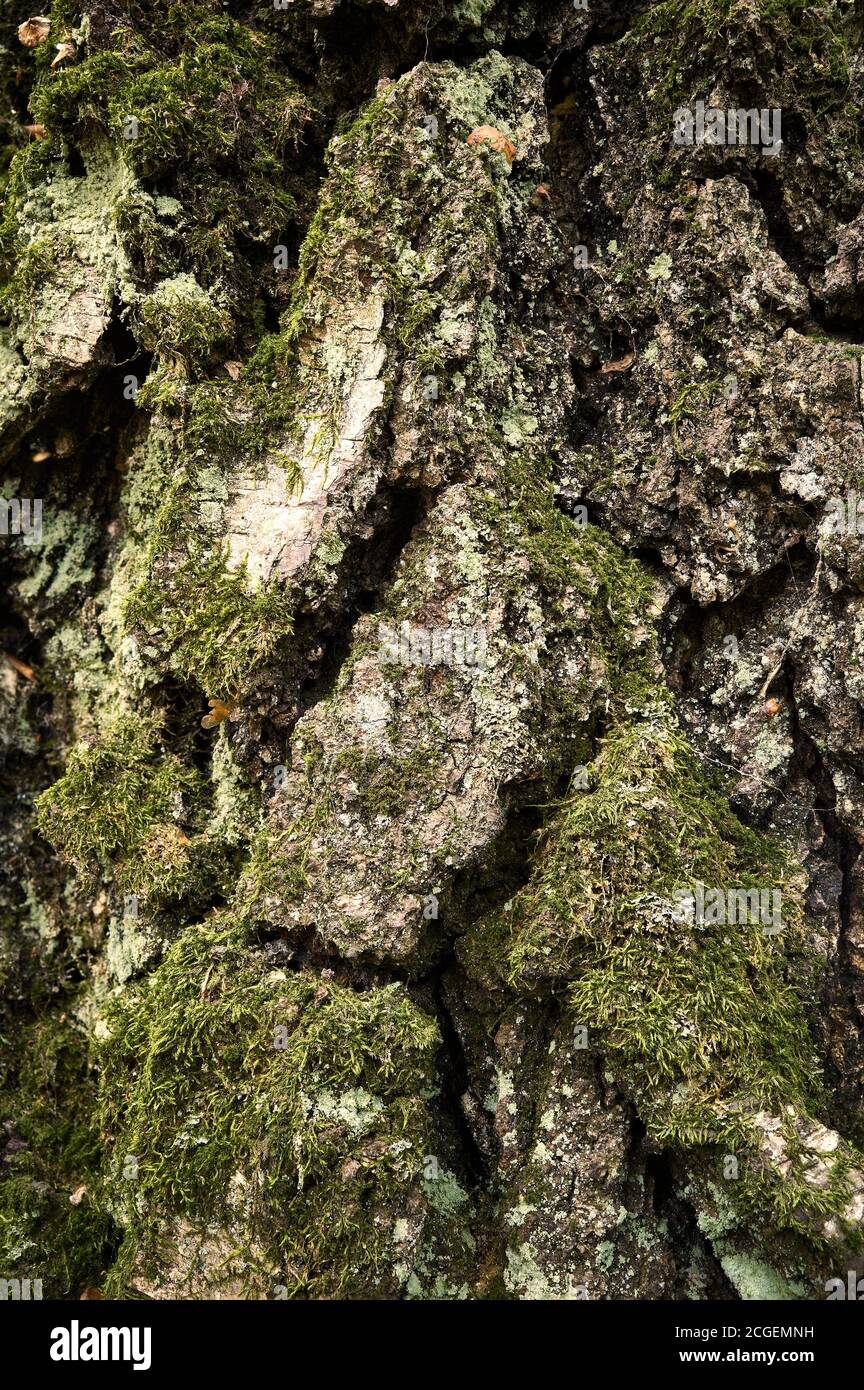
432, 683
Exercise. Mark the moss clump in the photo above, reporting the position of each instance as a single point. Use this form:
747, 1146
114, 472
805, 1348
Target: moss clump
649, 823
219, 97
194, 101
48, 1108
210, 625
693, 44
719, 1011
181, 322
114, 793
130, 805
309, 1091
708, 1020
170, 866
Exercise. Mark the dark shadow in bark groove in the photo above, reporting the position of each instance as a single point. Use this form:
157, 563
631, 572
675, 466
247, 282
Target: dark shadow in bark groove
366, 572
846, 1082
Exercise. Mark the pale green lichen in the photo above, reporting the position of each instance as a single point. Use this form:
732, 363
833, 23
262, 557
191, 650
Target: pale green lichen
755, 1280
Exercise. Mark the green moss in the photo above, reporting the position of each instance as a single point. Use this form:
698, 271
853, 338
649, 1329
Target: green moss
308, 1090
180, 321
29, 166
202, 102
689, 44
707, 1023
719, 1012
185, 108
131, 805
171, 867
48, 1105
208, 623
251, 418
114, 793
37, 265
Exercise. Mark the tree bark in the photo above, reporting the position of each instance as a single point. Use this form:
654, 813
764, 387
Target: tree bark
431, 664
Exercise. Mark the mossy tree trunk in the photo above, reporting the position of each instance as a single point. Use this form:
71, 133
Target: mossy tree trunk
431, 682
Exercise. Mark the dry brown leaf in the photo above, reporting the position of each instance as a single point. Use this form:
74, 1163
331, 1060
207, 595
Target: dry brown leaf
64, 51
91, 1293
34, 31
233, 370
37, 131
620, 366
488, 135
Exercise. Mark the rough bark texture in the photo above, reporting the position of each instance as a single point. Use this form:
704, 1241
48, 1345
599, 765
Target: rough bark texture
329, 330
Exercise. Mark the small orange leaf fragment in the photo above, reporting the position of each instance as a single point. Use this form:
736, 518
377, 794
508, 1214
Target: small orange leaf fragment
39, 132
488, 135
19, 666
220, 710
